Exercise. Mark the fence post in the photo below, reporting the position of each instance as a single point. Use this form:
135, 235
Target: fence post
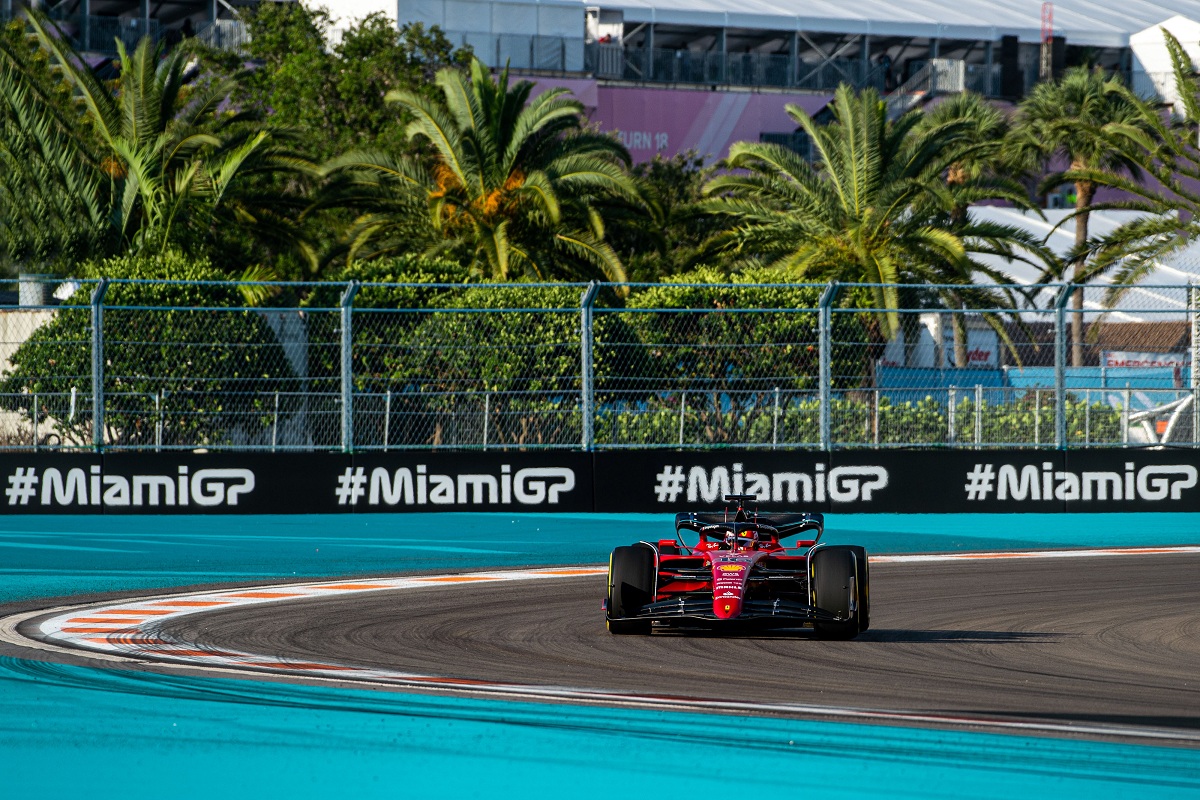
347, 315
682, 411
952, 414
775, 422
1060, 366
1127, 398
587, 387
825, 379
978, 415
1037, 417
487, 413
1087, 418
98, 363
875, 421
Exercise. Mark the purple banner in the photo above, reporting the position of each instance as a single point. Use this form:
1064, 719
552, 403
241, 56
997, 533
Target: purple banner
672, 121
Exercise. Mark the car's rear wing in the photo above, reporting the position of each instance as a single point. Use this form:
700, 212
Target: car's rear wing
713, 523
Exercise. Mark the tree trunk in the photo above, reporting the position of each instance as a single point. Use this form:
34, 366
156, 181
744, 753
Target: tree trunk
958, 217
1084, 192
959, 214
960, 340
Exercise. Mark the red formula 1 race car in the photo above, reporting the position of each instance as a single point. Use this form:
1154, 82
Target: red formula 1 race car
740, 572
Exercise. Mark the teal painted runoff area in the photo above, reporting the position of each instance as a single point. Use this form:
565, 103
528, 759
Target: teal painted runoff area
73, 731
50, 556
70, 732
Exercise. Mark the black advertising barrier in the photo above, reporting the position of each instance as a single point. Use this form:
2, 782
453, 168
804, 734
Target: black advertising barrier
866, 481
294, 483
1023, 481
904, 481
222, 483
1130, 480
39, 483
855, 481
670, 481
952, 481
178, 482
467, 481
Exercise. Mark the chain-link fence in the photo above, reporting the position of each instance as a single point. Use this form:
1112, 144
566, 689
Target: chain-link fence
142, 365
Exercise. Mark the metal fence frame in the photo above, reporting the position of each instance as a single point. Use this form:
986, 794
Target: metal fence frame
578, 403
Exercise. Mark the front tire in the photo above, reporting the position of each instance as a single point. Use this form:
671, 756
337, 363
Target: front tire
631, 578
839, 580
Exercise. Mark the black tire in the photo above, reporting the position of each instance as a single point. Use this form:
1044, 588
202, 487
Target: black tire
863, 576
835, 573
631, 578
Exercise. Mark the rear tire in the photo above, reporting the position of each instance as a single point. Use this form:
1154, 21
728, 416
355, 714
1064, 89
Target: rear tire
836, 574
863, 576
631, 578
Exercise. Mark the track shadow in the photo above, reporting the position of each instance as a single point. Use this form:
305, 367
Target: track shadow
941, 636
881, 635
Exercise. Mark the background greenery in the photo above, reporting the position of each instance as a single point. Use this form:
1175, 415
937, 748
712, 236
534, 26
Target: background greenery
394, 156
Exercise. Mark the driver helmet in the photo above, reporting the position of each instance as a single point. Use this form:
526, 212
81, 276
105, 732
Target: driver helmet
741, 539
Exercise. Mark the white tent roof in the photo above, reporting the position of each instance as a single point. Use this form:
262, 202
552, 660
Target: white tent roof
1098, 23
1157, 297
1151, 57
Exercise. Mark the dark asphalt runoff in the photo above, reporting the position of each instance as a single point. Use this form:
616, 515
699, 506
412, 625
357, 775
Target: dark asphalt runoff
1101, 640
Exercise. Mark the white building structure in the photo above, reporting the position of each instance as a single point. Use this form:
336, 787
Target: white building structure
1150, 70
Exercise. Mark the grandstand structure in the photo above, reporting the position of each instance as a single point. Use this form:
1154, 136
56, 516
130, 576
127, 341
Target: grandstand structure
618, 55
95, 26
815, 44
997, 47
651, 61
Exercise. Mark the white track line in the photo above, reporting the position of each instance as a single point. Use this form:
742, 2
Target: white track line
130, 631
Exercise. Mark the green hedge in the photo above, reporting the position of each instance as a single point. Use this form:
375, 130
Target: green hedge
924, 422
174, 351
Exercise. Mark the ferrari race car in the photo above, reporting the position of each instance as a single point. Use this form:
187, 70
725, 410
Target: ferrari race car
740, 572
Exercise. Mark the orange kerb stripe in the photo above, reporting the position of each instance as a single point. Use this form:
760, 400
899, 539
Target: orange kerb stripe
87, 630
265, 595
118, 621
455, 579
135, 612
574, 572
192, 603
356, 586
281, 665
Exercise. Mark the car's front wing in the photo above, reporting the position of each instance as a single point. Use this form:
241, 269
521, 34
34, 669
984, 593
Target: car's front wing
699, 608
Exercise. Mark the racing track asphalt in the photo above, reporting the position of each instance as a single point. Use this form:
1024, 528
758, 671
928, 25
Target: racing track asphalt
1112, 640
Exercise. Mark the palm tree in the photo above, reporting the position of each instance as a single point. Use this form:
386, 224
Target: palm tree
984, 170
1164, 148
1077, 119
181, 170
53, 198
510, 186
871, 210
